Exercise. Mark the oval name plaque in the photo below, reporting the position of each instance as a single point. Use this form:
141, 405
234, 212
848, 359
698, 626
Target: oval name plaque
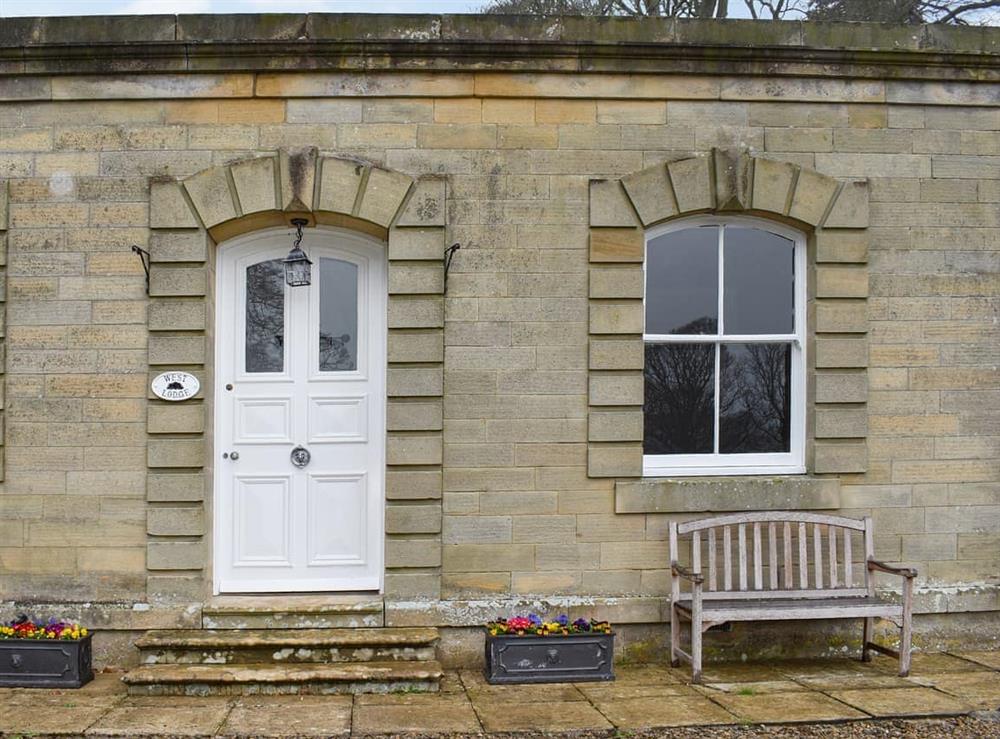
175, 385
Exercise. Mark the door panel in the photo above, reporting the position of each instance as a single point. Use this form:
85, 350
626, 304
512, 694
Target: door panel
300, 366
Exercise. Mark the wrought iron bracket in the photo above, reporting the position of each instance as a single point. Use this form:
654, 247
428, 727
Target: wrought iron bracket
449, 254
144, 258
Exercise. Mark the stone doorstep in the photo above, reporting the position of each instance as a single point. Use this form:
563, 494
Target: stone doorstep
249, 679
293, 612
286, 646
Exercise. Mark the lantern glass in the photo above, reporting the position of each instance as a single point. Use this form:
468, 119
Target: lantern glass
298, 268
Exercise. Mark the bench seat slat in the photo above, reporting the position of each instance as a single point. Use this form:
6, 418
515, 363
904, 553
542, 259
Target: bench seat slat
769, 609
765, 595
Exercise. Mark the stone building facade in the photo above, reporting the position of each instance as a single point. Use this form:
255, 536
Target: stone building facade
513, 392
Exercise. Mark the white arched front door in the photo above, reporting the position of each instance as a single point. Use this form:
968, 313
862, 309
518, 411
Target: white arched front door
299, 368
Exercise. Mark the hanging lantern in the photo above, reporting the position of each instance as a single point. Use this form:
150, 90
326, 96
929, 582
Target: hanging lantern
298, 268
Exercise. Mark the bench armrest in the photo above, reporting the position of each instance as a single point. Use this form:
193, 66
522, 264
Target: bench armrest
875, 565
694, 577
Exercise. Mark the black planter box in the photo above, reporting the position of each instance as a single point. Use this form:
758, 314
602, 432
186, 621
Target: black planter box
45, 663
549, 659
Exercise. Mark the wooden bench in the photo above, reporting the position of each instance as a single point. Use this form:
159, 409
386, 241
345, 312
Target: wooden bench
752, 575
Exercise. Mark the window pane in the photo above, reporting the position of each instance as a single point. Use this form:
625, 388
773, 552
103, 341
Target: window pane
338, 316
754, 403
265, 321
758, 287
680, 398
682, 282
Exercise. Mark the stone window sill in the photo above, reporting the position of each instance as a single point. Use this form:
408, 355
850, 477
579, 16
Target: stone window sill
727, 494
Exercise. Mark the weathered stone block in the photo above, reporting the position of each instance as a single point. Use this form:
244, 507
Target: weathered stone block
413, 519
400, 584
651, 194
416, 279
616, 318
841, 316
692, 183
842, 246
841, 281
175, 555
617, 245
254, 181
426, 206
383, 195
212, 198
414, 382
176, 281
175, 521
615, 426
813, 194
296, 177
168, 208
851, 208
176, 350
720, 494
841, 352
414, 448
613, 282
840, 457
609, 205
168, 314
416, 345
614, 460
833, 423
772, 185
841, 387
175, 418
175, 452
417, 243
178, 247
416, 312
618, 388
177, 487
616, 354
402, 484
732, 179
412, 552
340, 180
414, 416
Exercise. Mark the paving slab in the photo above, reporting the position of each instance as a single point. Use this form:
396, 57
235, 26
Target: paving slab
924, 663
828, 668
477, 687
855, 681
981, 690
986, 658
164, 718
49, 719
605, 692
898, 702
661, 712
646, 674
735, 672
758, 688
411, 714
774, 708
289, 715
500, 716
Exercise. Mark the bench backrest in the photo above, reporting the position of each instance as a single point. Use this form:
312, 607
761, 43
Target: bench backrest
775, 554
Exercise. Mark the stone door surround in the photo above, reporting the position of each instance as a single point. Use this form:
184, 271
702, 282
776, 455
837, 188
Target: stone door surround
187, 218
834, 216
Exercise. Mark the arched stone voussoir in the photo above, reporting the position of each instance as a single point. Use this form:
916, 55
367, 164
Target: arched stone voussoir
212, 196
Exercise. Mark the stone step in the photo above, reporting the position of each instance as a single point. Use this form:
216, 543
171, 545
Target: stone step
256, 679
286, 646
293, 612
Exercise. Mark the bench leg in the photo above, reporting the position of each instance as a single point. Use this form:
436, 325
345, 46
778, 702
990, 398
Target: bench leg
675, 636
905, 631
866, 655
696, 631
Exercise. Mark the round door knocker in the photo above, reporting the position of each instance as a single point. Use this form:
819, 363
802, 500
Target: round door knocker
300, 456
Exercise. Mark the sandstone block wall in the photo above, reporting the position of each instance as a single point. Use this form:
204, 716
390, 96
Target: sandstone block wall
916, 307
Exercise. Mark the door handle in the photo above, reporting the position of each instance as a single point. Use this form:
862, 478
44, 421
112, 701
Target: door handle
231, 455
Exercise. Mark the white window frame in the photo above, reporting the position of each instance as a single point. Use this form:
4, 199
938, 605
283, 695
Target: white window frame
778, 463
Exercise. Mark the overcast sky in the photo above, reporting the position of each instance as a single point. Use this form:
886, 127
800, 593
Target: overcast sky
146, 7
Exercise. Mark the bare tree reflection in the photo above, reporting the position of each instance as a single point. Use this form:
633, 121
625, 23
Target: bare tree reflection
754, 398
679, 400
265, 317
335, 354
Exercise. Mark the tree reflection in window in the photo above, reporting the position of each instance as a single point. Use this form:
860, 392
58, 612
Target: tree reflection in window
338, 315
265, 317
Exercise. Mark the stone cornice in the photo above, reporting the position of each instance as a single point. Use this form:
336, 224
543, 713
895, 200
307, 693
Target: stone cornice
299, 42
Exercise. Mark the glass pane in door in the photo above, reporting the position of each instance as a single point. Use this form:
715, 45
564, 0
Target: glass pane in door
338, 316
265, 317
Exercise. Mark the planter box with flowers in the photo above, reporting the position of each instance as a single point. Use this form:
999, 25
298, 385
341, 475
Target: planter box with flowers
40, 654
526, 649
